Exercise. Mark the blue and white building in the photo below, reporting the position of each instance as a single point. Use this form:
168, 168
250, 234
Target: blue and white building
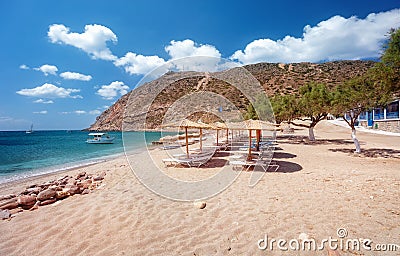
386, 119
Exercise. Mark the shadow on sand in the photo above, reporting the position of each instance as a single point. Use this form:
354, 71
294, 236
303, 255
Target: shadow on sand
279, 155
284, 167
299, 139
215, 163
371, 152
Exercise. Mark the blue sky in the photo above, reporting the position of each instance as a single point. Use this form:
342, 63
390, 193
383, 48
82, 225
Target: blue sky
62, 63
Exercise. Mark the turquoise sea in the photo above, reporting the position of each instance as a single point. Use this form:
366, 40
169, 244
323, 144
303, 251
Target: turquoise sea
24, 155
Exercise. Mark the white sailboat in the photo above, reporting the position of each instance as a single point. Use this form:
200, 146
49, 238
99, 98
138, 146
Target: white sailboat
30, 130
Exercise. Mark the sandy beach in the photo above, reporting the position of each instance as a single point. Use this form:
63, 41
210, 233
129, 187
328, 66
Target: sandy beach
319, 188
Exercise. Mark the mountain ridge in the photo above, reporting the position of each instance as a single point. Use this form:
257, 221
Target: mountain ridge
275, 78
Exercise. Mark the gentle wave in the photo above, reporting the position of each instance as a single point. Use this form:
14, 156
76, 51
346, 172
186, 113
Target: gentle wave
45, 152
6, 178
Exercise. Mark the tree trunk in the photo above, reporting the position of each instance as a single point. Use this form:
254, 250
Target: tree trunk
311, 136
355, 140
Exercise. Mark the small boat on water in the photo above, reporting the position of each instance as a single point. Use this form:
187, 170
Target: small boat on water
100, 138
30, 130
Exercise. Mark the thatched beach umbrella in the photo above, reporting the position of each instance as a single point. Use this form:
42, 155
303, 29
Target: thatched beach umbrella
220, 126
189, 124
250, 125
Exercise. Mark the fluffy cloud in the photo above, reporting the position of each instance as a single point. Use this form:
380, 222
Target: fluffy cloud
44, 101
23, 66
136, 64
187, 48
5, 118
82, 112
75, 76
93, 41
95, 112
199, 55
49, 91
43, 112
48, 69
112, 90
334, 39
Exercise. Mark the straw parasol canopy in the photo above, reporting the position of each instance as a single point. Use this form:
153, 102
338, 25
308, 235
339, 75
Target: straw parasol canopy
250, 125
186, 123
220, 126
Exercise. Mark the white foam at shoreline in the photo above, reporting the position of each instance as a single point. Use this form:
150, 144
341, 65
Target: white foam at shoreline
6, 178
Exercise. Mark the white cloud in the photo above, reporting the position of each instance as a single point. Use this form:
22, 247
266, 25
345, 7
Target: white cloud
93, 41
112, 90
43, 112
6, 118
49, 91
8, 123
95, 112
48, 69
44, 101
202, 57
136, 64
23, 66
187, 48
82, 112
334, 39
75, 76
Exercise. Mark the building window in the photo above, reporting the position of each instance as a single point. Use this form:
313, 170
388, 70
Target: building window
378, 114
363, 116
392, 110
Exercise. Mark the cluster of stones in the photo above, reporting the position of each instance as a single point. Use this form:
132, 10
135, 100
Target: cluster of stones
49, 192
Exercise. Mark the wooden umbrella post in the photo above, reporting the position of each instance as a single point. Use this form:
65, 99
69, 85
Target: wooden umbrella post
217, 136
227, 134
249, 155
258, 136
187, 142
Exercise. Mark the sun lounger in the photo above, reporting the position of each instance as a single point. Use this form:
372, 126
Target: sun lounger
199, 161
192, 155
191, 162
175, 161
196, 160
167, 147
218, 147
240, 164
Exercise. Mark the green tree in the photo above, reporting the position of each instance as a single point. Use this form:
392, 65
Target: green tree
391, 55
351, 99
376, 88
386, 73
285, 107
263, 108
251, 113
315, 103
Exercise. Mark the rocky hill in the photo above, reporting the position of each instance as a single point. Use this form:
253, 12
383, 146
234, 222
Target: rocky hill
147, 105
